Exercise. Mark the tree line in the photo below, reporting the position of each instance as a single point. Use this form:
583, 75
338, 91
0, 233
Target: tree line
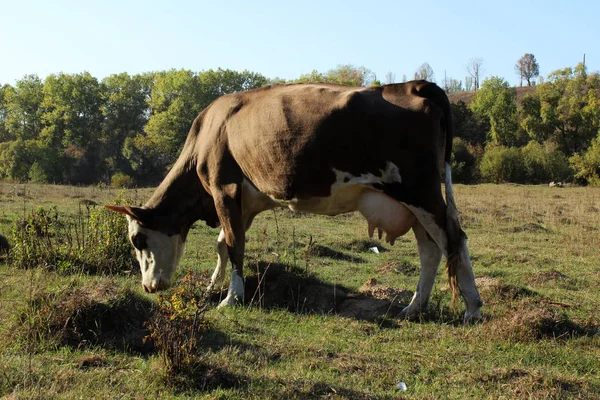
128, 129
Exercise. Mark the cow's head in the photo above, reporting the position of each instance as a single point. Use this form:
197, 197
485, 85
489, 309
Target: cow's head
158, 245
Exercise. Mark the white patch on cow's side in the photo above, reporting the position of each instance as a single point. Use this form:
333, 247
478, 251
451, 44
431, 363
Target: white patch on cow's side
159, 259
345, 194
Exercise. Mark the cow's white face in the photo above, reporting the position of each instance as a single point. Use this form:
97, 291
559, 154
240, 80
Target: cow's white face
157, 253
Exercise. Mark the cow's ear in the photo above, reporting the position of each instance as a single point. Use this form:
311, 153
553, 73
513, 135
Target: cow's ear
139, 214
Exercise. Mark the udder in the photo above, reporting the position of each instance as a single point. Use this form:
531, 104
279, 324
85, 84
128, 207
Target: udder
385, 214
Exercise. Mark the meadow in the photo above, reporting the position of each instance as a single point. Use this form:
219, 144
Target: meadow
318, 319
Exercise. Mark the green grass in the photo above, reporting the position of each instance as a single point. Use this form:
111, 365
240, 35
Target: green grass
535, 254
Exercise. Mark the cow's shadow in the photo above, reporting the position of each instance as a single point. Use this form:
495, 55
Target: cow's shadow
282, 286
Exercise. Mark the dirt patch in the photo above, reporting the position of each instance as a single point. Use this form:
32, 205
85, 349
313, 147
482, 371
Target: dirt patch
101, 314
529, 227
93, 361
403, 267
375, 301
546, 276
494, 290
365, 245
532, 320
317, 250
521, 383
281, 286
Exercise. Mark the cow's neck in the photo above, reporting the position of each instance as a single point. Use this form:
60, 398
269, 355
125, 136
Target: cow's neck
177, 202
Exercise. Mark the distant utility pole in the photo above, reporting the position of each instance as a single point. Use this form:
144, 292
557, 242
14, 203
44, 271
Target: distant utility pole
583, 60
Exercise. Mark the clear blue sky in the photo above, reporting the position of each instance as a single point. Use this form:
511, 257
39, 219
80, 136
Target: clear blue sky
286, 39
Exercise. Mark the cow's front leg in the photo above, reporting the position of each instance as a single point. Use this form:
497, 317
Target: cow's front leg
228, 205
218, 275
430, 256
222, 258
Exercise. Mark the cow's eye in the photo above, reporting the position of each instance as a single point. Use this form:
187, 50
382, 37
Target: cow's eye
139, 241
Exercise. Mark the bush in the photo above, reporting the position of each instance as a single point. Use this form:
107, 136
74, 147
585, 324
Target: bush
93, 243
121, 180
502, 164
464, 162
587, 164
545, 163
178, 324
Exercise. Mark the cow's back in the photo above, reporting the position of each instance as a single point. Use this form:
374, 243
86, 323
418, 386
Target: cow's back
289, 139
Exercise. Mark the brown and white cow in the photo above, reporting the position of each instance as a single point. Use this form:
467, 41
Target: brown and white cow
316, 148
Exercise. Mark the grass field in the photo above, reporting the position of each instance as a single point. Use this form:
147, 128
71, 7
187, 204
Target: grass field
318, 318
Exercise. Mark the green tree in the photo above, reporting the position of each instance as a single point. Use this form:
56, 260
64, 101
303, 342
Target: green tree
569, 107
498, 102
469, 126
343, 74
73, 124
125, 113
3, 113
23, 108
587, 164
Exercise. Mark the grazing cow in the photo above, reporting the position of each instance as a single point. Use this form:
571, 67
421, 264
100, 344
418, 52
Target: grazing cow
316, 148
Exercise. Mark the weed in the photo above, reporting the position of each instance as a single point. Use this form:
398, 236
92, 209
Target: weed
178, 325
91, 242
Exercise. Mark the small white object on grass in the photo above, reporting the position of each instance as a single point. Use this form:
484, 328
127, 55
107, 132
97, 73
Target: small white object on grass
374, 249
401, 386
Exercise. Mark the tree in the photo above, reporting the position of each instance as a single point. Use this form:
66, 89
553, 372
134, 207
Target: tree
343, 74
425, 72
72, 117
469, 126
498, 102
569, 108
347, 74
390, 78
125, 113
451, 85
23, 108
474, 68
527, 68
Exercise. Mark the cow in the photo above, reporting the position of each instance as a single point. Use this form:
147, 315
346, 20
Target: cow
316, 148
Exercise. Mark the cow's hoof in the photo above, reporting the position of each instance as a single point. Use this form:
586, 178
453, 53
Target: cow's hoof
408, 314
229, 301
472, 318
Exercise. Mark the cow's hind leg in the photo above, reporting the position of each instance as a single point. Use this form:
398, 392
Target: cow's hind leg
430, 256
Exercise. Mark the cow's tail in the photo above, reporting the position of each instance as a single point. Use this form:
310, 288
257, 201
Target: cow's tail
453, 230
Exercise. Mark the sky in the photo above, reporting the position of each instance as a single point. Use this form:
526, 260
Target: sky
286, 39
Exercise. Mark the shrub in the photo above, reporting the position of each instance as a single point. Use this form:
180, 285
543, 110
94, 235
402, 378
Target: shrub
587, 164
121, 180
178, 324
464, 162
502, 164
544, 163
92, 242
